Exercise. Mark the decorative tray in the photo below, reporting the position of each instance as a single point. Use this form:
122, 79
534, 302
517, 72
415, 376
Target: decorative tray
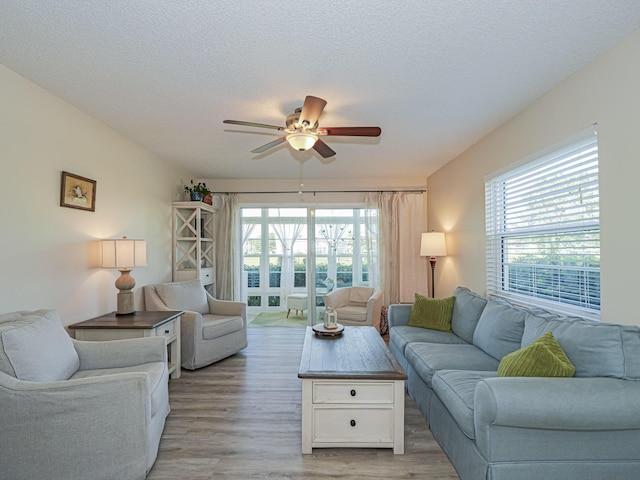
322, 331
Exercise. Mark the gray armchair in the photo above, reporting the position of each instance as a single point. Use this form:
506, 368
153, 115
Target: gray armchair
78, 410
356, 305
210, 329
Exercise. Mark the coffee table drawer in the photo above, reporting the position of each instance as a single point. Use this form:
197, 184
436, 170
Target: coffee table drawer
353, 425
352, 392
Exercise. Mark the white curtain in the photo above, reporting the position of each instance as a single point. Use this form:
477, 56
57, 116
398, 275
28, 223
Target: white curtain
333, 234
401, 223
228, 256
287, 235
371, 239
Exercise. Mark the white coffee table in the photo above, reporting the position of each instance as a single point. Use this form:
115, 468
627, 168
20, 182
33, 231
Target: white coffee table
352, 392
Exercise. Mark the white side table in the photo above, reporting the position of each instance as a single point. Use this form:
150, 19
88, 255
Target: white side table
142, 324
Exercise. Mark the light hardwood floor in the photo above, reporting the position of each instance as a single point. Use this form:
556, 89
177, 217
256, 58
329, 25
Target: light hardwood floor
240, 419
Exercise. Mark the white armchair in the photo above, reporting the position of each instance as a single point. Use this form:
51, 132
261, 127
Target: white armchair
356, 305
78, 410
210, 329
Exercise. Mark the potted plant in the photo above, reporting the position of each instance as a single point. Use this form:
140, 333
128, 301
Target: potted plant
197, 192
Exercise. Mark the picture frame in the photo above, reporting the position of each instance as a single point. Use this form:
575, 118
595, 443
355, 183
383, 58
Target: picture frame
77, 192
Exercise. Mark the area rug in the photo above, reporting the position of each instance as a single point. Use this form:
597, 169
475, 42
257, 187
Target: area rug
278, 319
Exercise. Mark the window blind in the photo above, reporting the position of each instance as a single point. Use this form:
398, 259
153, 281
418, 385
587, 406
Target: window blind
543, 229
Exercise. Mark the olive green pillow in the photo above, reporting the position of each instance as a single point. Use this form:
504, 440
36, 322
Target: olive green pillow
433, 313
541, 358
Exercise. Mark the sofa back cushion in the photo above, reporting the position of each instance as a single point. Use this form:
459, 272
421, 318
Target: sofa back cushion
467, 308
360, 294
35, 347
189, 295
500, 328
596, 349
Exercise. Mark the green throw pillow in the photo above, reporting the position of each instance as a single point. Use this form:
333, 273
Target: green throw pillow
541, 358
433, 313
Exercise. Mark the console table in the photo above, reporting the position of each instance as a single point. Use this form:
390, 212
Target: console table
352, 392
142, 324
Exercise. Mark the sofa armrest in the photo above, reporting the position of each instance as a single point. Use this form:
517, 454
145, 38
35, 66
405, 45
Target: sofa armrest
62, 429
398, 314
557, 403
120, 353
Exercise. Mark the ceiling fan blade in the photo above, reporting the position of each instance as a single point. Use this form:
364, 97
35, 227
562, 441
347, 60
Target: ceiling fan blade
351, 131
323, 149
269, 145
311, 110
252, 124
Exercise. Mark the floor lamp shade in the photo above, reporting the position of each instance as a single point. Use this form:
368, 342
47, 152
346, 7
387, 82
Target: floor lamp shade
432, 245
124, 254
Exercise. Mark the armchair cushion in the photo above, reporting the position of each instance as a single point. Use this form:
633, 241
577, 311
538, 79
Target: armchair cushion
360, 294
40, 332
187, 295
214, 326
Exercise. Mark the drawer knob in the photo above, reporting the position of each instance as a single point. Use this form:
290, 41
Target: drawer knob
166, 332
353, 423
353, 393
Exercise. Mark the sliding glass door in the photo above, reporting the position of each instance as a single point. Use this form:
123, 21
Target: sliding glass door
305, 251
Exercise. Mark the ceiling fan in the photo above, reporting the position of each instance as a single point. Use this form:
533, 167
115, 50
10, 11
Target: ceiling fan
303, 131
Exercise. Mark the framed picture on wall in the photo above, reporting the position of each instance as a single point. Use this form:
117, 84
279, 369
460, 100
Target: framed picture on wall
77, 192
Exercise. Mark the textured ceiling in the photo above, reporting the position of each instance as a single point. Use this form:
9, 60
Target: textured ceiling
436, 75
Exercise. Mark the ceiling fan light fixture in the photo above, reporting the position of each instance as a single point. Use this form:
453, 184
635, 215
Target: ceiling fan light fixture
302, 140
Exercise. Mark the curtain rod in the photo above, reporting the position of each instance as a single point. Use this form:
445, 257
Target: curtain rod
422, 190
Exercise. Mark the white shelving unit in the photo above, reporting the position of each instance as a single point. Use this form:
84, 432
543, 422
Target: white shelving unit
193, 243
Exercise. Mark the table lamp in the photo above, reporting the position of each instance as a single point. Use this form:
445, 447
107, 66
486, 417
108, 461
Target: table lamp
124, 254
433, 245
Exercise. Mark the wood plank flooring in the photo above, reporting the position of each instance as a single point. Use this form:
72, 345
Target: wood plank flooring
240, 419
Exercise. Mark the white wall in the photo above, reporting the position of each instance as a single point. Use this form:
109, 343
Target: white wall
606, 92
46, 251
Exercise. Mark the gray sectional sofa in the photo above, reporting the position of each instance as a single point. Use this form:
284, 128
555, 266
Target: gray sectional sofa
524, 428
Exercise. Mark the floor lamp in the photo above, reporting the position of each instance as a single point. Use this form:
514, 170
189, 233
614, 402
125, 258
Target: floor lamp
433, 245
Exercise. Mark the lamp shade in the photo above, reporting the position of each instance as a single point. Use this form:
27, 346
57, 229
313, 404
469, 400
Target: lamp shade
433, 244
123, 253
301, 140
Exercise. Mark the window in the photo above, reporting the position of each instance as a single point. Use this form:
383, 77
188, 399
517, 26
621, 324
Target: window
543, 229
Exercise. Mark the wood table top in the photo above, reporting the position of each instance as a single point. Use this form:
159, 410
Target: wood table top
141, 319
359, 353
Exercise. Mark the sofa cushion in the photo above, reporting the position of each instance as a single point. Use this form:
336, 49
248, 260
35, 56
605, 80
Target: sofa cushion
467, 308
157, 374
428, 358
500, 327
402, 335
433, 313
190, 296
541, 358
37, 348
360, 294
596, 349
456, 389
214, 326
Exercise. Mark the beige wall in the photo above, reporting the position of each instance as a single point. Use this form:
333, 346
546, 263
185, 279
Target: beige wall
46, 250
606, 92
